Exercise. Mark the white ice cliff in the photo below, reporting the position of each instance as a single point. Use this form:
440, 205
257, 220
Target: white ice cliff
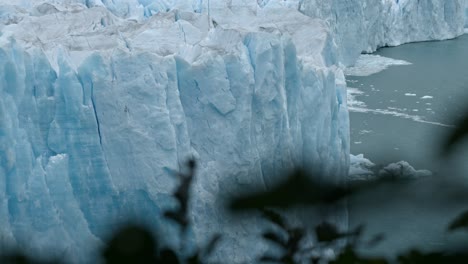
466, 14
365, 25
100, 101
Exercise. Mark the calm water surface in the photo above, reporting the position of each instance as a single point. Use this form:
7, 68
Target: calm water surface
408, 109
433, 90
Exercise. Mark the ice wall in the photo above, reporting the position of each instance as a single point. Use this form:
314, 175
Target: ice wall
101, 100
97, 111
466, 14
365, 25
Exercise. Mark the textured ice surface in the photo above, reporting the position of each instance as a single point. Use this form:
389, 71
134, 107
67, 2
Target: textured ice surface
365, 25
402, 170
101, 100
97, 110
466, 15
362, 168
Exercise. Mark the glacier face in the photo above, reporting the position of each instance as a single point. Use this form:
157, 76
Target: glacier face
466, 14
97, 111
102, 100
365, 25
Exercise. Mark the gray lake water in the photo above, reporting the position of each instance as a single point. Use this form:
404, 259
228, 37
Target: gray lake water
405, 111
434, 88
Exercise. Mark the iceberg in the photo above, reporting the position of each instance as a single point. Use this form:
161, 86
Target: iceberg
100, 101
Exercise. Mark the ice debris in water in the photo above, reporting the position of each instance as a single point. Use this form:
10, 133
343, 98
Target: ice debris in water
370, 64
403, 170
427, 97
362, 168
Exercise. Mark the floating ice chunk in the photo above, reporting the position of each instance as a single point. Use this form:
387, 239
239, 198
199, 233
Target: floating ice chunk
416, 118
427, 97
360, 168
370, 64
403, 170
363, 169
352, 94
364, 131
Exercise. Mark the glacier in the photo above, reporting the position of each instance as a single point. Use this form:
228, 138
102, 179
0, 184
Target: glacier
466, 15
101, 101
366, 25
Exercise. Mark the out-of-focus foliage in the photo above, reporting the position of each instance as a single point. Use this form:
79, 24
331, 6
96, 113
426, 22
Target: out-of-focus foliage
136, 244
456, 136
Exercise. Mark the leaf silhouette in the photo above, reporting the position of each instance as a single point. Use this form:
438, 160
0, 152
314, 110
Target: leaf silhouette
375, 240
460, 222
327, 232
416, 257
270, 259
300, 189
131, 244
168, 256
287, 238
182, 195
201, 254
177, 216
293, 246
194, 259
209, 248
297, 189
275, 238
275, 218
457, 135
349, 255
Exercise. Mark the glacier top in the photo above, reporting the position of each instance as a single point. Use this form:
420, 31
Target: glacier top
77, 30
